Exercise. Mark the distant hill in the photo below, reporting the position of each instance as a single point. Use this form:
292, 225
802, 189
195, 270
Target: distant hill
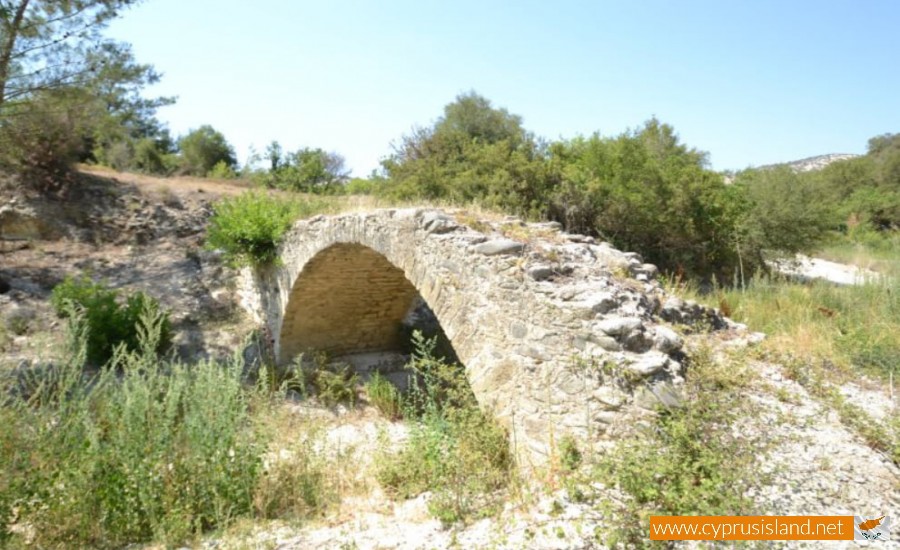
812, 163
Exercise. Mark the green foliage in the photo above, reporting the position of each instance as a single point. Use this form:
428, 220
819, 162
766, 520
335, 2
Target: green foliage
473, 153
68, 94
333, 383
692, 462
454, 449
362, 186
40, 139
222, 170
50, 45
784, 212
866, 247
306, 170
296, 483
144, 451
152, 157
202, 149
859, 191
645, 191
110, 323
570, 456
125, 133
851, 326
384, 396
249, 227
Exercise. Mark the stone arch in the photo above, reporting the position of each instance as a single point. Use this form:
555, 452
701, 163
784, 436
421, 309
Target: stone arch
542, 327
347, 299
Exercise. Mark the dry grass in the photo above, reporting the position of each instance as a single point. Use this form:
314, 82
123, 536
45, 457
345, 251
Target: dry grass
856, 328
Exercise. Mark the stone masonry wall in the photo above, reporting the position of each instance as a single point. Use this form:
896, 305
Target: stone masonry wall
350, 299
559, 334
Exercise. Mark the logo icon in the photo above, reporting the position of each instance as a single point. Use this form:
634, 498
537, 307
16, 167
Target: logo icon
878, 528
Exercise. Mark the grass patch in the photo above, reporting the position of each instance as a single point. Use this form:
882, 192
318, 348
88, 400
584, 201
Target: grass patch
855, 327
866, 248
146, 450
455, 450
384, 396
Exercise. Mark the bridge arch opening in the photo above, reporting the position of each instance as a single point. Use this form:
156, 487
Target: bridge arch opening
351, 301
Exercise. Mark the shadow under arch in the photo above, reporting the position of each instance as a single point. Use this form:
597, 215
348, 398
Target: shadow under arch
350, 299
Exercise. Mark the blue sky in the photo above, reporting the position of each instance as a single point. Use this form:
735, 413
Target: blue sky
752, 83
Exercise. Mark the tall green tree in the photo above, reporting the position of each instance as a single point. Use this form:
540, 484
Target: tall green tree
785, 211
204, 148
50, 44
475, 151
646, 191
308, 170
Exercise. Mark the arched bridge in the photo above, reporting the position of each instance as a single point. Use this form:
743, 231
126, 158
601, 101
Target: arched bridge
558, 333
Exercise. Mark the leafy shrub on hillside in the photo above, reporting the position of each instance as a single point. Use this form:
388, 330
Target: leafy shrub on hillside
306, 170
473, 153
249, 227
110, 322
783, 211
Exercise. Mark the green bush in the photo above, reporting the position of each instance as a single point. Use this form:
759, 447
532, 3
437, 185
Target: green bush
334, 384
223, 171
647, 192
150, 158
692, 461
110, 321
384, 396
454, 450
146, 450
306, 170
249, 227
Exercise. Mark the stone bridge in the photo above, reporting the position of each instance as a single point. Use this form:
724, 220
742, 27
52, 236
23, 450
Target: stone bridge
558, 334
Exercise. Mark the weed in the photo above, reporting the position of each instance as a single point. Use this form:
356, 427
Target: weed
145, 450
384, 396
454, 449
110, 322
295, 483
690, 462
335, 384
569, 453
468, 219
332, 383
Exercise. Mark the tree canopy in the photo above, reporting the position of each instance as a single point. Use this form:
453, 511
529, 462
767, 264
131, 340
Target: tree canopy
49, 44
202, 149
307, 169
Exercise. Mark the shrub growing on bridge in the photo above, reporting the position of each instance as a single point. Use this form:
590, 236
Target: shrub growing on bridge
249, 227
